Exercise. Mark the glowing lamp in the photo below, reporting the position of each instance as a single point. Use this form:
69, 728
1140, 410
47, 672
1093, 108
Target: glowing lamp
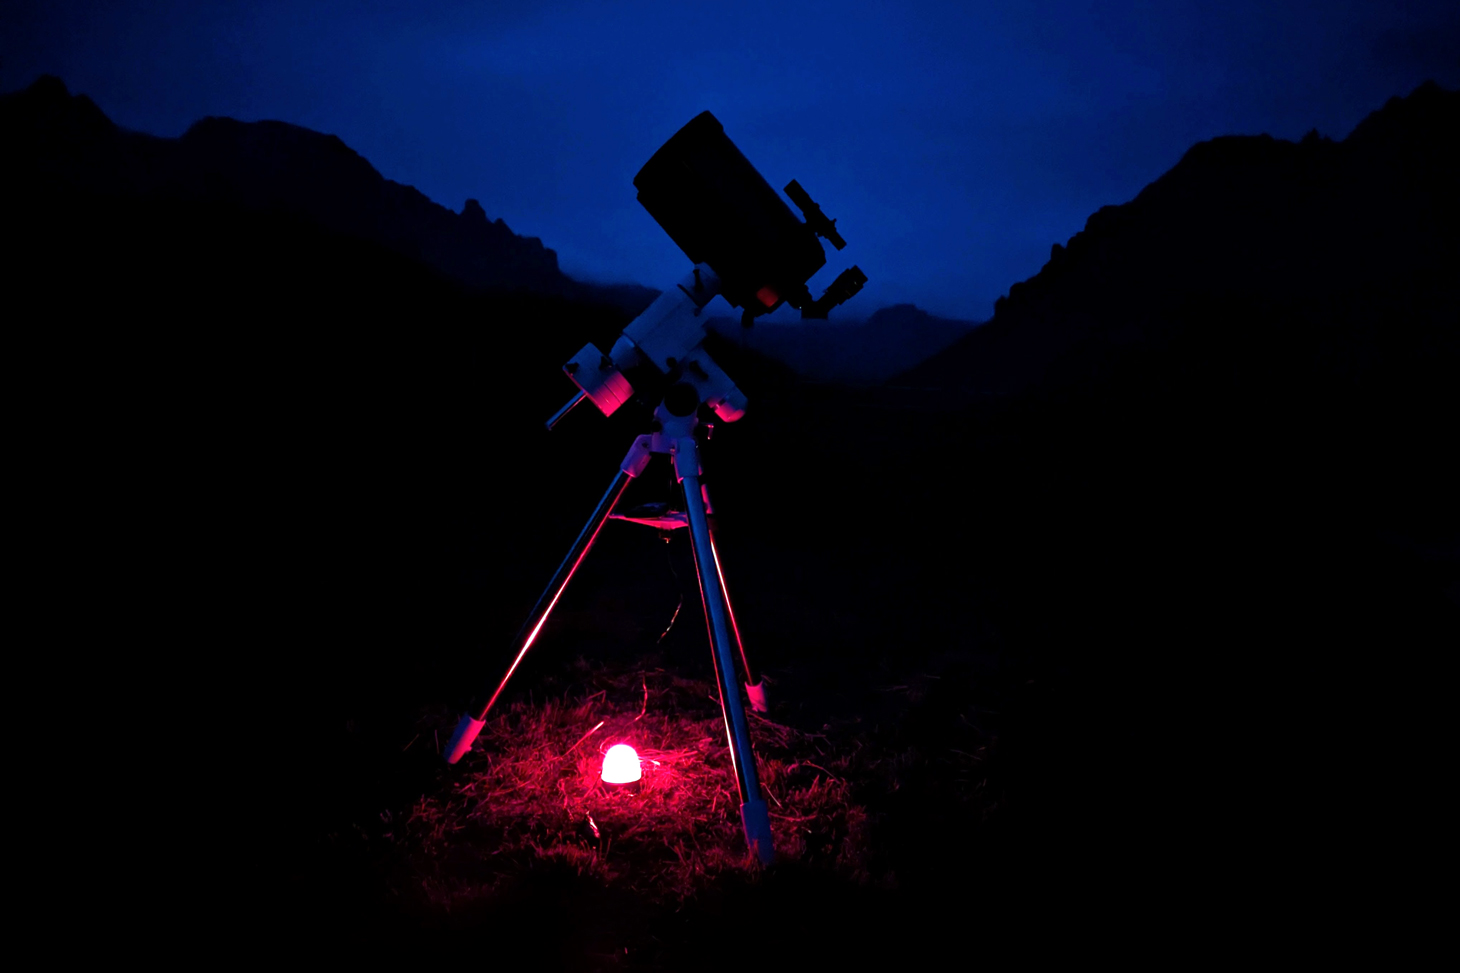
621, 765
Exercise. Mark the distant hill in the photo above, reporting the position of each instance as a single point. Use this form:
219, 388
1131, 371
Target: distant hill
59, 144
1245, 229
858, 353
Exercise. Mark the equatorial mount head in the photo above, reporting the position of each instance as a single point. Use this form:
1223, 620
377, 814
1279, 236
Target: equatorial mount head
663, 348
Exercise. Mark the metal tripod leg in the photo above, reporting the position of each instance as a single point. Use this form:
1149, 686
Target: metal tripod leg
754, 688
470, 726
754, 815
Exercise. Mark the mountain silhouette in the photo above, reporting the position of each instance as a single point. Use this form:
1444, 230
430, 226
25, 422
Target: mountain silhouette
867, 352
61, 145
1244, 227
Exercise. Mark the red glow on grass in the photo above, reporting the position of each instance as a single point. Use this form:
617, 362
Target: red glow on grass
621, 764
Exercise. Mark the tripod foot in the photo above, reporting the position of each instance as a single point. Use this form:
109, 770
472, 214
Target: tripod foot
757, 821
757, 697
463, 737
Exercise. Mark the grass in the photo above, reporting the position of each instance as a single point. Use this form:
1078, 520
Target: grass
528, 797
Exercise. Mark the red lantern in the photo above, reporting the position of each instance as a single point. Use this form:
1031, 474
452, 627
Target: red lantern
621, 765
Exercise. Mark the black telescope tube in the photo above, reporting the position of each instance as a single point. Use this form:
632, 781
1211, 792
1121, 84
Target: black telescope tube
721, 211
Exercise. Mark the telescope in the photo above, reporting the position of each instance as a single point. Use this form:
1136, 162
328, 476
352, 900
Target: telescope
748, 248
721, 212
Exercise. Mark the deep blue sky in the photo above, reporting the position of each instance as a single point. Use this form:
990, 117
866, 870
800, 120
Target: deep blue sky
954, 142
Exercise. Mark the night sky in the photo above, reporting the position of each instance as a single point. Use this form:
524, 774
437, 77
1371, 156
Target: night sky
954, 142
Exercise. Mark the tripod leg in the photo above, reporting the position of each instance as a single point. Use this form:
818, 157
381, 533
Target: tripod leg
754, 815
754, 688
470, 726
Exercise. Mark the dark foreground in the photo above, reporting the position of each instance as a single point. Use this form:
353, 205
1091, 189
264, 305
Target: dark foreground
1157, 648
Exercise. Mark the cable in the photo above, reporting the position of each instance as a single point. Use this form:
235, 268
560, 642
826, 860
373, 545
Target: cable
678, 584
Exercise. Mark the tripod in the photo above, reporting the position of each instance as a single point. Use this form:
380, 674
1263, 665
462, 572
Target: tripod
676, 419
747, 246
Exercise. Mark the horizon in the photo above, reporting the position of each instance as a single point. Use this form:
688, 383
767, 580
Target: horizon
949, 180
